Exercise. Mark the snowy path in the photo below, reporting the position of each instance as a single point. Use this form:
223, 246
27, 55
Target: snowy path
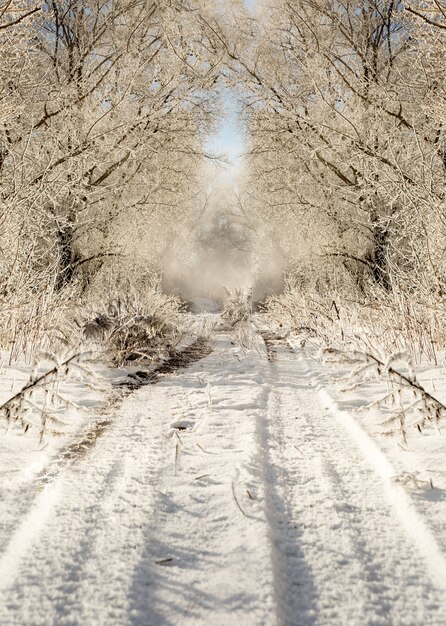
341, 553
229, 494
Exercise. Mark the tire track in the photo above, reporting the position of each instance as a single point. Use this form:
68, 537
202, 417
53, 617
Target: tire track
340, 553
135, 538
97, 515
70, 527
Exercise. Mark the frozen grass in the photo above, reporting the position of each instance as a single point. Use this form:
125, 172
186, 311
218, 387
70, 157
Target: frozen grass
380, 324
139, 324
237, 306
40, 404
118, 322
236, 315
38, 321
406, 404
386, 336
125, 320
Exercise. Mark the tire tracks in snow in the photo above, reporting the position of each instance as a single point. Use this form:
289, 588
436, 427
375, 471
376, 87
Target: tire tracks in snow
127, 538
22, 522
415, 526
218, 569
340, 552
73, 570
93, 503
133, 540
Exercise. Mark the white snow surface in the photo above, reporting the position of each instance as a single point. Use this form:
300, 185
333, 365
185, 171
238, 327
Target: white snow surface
239, 491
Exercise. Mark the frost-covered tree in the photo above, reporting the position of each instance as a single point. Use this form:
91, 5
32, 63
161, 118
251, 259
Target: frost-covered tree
343, 152
104, 110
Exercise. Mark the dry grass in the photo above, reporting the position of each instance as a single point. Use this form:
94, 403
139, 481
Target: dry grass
138, 325
380, 324
237, 306
407, 405
40, 321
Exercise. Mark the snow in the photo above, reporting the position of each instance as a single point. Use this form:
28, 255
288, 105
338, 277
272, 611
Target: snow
348, 560
239, 490
204, 305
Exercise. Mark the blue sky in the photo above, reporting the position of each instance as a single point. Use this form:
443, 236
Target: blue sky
229, 138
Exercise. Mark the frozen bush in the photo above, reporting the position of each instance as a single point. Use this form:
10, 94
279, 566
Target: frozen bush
140, 324
237, 306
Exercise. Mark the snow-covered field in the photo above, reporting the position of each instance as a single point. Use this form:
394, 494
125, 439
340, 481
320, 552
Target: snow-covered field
243, 490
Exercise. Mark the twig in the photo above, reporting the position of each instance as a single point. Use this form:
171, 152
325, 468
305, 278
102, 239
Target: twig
236, 501
177, 457
202, 476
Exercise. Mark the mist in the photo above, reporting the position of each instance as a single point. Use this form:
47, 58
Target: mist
223, 250
216, 253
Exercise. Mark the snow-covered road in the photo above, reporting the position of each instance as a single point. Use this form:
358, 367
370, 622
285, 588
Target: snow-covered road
341, 552
231, 493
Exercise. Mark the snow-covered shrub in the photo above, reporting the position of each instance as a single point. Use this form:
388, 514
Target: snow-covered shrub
237, 313
139, 323
377, 321
407, 404
309, 314
237, 306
